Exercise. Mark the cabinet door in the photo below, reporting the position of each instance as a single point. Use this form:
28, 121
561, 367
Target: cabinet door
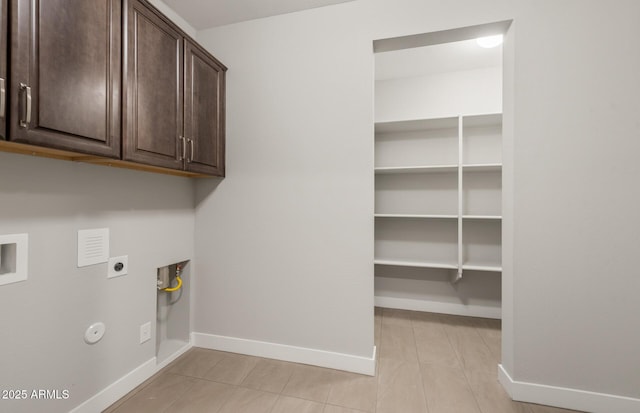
4, 31
153, 119
204, 109
65, 74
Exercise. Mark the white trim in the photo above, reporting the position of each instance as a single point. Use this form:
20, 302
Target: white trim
125, 384
338, 361
118, 389
565, 397
164, 363
438, 307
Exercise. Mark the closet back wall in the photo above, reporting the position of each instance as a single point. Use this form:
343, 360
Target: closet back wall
439, 95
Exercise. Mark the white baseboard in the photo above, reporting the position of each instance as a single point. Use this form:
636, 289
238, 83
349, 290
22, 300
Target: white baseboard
566, 398
125, 384
164, 363
338, 361
438, 307
118, 389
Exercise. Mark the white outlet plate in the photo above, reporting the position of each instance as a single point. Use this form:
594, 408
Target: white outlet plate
145, 332
111, 264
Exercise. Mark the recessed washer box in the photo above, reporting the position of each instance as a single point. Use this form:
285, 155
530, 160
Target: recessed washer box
13, 258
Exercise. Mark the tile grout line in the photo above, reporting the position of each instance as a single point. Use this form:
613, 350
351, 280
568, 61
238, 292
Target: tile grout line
378, 358
175, 400
415, 344
124, 399
464, 370
250, 370
487, 344
274, 404
117, 405
376, 371
211, 368
240, 386
426, 400
227, 401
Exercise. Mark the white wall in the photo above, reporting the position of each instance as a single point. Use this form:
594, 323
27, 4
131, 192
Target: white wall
151, 220
576, 196
286, 239
439, 95
285, 242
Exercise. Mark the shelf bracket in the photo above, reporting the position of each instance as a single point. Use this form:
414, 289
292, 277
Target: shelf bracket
457, 276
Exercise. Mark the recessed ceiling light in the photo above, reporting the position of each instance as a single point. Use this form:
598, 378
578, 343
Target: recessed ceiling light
489, 41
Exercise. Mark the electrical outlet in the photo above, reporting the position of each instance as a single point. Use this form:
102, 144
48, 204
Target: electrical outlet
145, 332
118, 266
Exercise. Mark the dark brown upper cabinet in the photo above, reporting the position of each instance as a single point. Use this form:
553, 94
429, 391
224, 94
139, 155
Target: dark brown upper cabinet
153, 78
4, 31
174, 96
111, 82
66, 75
204, 94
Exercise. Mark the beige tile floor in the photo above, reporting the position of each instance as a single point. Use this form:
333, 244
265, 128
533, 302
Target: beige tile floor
427, 363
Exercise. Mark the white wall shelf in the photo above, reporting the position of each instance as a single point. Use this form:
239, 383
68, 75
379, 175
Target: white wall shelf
482, 167
482, 267
438, 187
418, 216
438, 194
432, 216
416, 169
417, 264
412, 125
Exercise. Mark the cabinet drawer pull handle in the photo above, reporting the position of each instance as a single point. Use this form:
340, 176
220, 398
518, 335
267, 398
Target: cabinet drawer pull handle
3, 98
27, 121
190, 157
184, 149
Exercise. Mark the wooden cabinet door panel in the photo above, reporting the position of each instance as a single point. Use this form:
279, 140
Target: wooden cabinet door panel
204, 111
68, 54
4, 32
153, 88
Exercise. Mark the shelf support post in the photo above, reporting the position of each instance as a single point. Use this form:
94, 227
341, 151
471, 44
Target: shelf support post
458, 275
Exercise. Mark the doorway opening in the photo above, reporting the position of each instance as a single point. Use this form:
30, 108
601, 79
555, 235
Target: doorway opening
439, 171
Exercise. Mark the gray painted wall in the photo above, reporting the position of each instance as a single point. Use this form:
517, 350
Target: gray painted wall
576, 227
287, 237
286, 240
151, 219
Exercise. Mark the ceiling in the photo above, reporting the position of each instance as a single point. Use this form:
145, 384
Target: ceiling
203, 14
440, 58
